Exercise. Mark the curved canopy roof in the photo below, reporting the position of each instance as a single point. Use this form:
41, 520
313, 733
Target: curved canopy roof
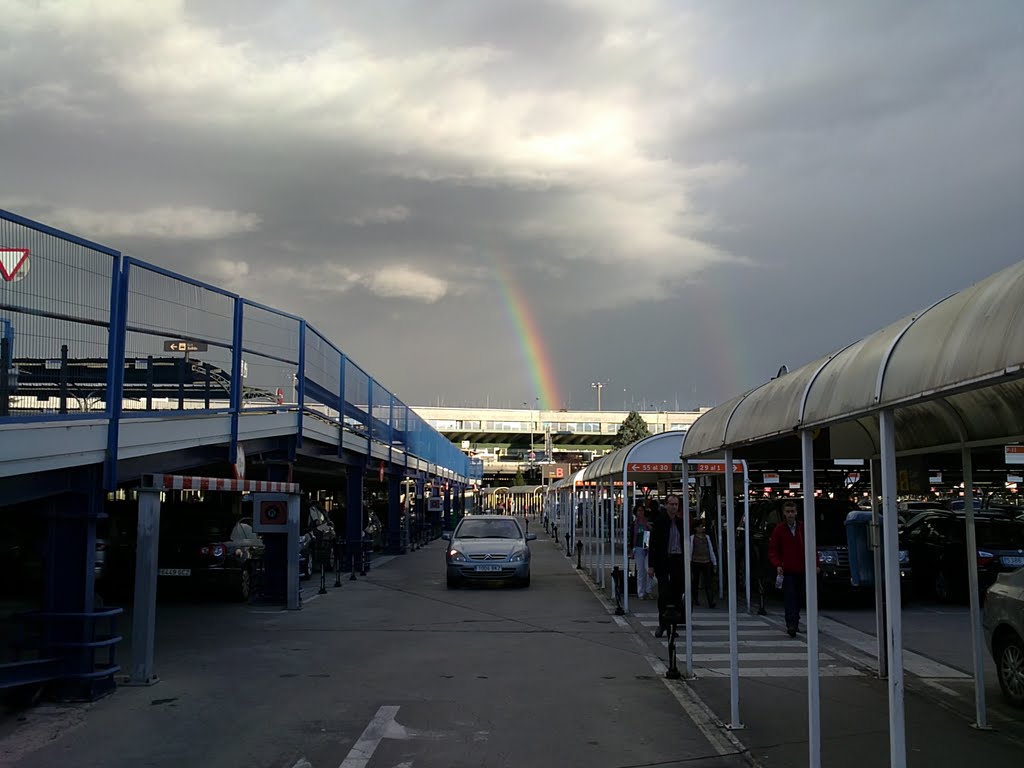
567, 482
952, 371
660, 449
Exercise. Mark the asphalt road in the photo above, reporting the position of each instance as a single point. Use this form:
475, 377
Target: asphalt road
390, 671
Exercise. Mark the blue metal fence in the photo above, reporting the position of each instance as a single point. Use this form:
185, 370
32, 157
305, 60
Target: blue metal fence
85, 332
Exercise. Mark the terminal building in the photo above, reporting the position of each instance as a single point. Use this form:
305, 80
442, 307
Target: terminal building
519, 441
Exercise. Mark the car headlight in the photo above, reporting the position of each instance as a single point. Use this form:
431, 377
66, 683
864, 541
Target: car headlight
904, 556
454, 556
518, 557
828, 557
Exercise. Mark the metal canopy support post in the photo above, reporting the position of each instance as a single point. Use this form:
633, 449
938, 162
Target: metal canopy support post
687, 575
883, 656
144, 611
891, 545
734, 644
977, 642
718, 528
292, 582
811, 581
627, 510
746, 535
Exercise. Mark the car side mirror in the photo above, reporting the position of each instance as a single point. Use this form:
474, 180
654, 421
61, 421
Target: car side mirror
531, 536
446, 536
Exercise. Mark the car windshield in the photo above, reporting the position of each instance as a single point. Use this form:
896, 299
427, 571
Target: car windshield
488, 529
996, 534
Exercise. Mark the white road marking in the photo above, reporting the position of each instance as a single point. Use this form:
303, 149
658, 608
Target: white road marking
303, 763
756, 656
383, 724
918, 665
784, 671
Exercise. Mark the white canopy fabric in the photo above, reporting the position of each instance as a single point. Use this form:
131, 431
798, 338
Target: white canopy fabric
659, 449
952, 372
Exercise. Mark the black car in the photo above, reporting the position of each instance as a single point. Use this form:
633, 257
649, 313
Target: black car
834, 577
207, 548
937, 541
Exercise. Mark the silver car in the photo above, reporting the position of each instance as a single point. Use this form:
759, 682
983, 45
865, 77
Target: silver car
488, 548
1003, 620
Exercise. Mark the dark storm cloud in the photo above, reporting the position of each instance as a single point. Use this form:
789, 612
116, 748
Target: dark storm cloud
687, 195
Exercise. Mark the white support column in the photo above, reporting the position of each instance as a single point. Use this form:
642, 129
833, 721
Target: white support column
147, 544
734, 644
746, 535
891, 546
977, 641
602, 528
627, 509
718, 527
687, 576
876, 550
811, 579
292, 582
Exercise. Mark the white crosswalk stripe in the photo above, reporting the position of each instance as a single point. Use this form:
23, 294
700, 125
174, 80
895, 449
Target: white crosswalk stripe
764, 648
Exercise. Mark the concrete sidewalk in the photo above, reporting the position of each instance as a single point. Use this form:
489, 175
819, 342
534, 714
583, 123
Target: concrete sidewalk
854, 702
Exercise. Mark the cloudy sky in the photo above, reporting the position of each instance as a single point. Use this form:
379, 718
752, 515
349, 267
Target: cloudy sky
492, 202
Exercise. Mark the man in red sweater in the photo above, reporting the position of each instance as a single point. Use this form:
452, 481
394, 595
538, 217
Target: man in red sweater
786, 552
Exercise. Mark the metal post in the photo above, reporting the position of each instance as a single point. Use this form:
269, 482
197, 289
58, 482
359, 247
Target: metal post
891, 545
746, 535
718, 512
62, 386
883, 656
292, 597
626, 511
147, 544
149, 384
687, 576
734, 640
977, 641
811, 588
5, 382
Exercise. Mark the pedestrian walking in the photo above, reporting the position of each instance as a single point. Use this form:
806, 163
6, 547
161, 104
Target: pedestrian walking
665, 558
702, 563
786, 552
640, 538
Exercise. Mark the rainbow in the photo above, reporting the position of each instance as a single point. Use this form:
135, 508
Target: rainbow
531, 340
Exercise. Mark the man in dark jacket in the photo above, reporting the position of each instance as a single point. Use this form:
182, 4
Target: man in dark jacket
665, 560
786, 552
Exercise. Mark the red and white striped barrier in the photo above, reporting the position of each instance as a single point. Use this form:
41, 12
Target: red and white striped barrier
186, 483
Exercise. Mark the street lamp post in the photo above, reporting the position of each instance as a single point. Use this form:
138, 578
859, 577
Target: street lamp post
598, 385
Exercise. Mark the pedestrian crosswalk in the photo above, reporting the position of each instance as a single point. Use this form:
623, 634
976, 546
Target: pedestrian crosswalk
764, 648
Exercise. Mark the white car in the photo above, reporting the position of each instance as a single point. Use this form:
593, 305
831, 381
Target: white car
1003, 620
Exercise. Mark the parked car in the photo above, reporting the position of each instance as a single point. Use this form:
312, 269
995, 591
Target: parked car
1003, 620
833, 551
209, 549
488, 548
938, 549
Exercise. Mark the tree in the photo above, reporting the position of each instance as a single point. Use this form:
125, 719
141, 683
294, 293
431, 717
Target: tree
632, 429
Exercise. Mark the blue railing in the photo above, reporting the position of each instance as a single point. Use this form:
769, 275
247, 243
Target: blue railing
88, 333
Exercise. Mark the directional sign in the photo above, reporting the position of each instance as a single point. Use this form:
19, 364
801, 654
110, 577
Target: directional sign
715, 467
770, 478
185, 346
1014, 454
653, 467
13, 264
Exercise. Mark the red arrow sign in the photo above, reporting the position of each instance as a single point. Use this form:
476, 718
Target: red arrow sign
12, 260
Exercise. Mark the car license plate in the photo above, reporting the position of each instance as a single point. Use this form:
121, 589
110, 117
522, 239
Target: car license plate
174, 572
1016, 562
489, 568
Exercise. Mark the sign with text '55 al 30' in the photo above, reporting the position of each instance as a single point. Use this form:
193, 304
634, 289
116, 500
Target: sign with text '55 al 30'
185, 346
652, 467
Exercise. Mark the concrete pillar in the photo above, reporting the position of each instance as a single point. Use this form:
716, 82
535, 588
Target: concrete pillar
354, 514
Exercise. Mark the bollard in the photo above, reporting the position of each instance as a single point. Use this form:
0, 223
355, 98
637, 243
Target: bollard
617, 590
337, 563
579, 555
568, 545
672, 618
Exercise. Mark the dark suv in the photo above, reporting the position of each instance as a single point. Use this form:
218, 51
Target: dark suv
833, 550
